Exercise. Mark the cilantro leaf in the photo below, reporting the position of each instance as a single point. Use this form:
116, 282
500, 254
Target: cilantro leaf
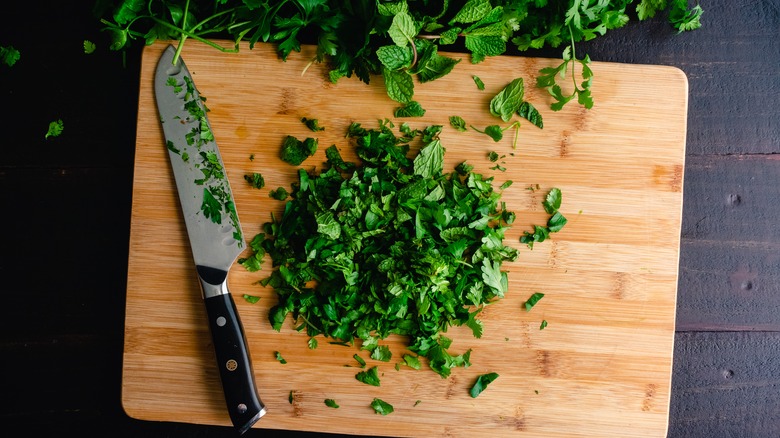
329, 402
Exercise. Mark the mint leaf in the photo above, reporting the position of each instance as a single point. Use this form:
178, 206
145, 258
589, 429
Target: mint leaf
399, 85
411, 109
430, 161
403, 29
508, 101
395, 57
473, 10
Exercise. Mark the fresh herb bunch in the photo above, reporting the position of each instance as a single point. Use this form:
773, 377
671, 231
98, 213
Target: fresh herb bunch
393, 246
398, 39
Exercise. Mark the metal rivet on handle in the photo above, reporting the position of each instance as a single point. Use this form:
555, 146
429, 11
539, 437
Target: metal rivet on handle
231, 365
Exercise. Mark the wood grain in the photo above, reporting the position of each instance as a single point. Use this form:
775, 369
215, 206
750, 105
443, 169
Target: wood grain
601, 368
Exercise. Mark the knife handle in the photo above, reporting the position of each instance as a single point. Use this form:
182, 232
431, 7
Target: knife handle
235, 365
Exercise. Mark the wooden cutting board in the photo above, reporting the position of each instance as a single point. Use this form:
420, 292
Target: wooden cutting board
602, 367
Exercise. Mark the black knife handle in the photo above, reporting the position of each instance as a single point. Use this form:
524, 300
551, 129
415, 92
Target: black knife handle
233, 360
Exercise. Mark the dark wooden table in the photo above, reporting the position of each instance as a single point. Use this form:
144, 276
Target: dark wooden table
66, 206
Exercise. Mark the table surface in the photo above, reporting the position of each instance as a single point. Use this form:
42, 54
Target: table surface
66, 211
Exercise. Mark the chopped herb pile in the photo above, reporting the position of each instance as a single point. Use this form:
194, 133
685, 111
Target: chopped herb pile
395, 246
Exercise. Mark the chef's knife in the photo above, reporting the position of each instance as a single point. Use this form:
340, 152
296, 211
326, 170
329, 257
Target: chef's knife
212, 224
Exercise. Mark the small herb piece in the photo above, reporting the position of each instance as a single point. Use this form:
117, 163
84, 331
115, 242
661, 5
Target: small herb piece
410, 109
255, 180
381, 407
254, 261
555, 223
482, 383
280, 358
543, 325
478, 82
89, 47
412, 361
369, 377
531, 302
381, 353
251, 157
55, 129
329, 402
252, 299
530, 113
312, 124
417, 403
313, 343
280, 194
493, 156
9, 55
290, 397
458, 123
295, 151
359, 360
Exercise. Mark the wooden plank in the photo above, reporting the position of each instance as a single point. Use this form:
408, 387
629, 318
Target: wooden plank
603, 366
729, 272
730, 389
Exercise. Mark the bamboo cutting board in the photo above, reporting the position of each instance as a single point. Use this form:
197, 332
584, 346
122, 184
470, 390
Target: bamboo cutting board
601, 368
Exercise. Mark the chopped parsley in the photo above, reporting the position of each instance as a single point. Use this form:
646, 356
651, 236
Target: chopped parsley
381, 407
55, 129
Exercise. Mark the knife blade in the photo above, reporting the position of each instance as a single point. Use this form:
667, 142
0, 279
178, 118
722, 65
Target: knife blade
213, 228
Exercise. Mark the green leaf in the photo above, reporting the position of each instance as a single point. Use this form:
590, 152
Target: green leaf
395, 57
399, 85
482, 46
251, 299
412, 361
403, 29
478, 82
531, 302
211, 208
9, 55
369, 377
508, 101
552, 202
329, 402
530, 113
89, 47
482, 383
437, 67
473, 10
255, 180
430, 161
411, 109
556, 222
280, 358
458, 123
55, 129
382, 353
381, 407
543, 325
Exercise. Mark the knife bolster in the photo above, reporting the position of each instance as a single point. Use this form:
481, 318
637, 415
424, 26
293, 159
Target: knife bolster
213, 281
